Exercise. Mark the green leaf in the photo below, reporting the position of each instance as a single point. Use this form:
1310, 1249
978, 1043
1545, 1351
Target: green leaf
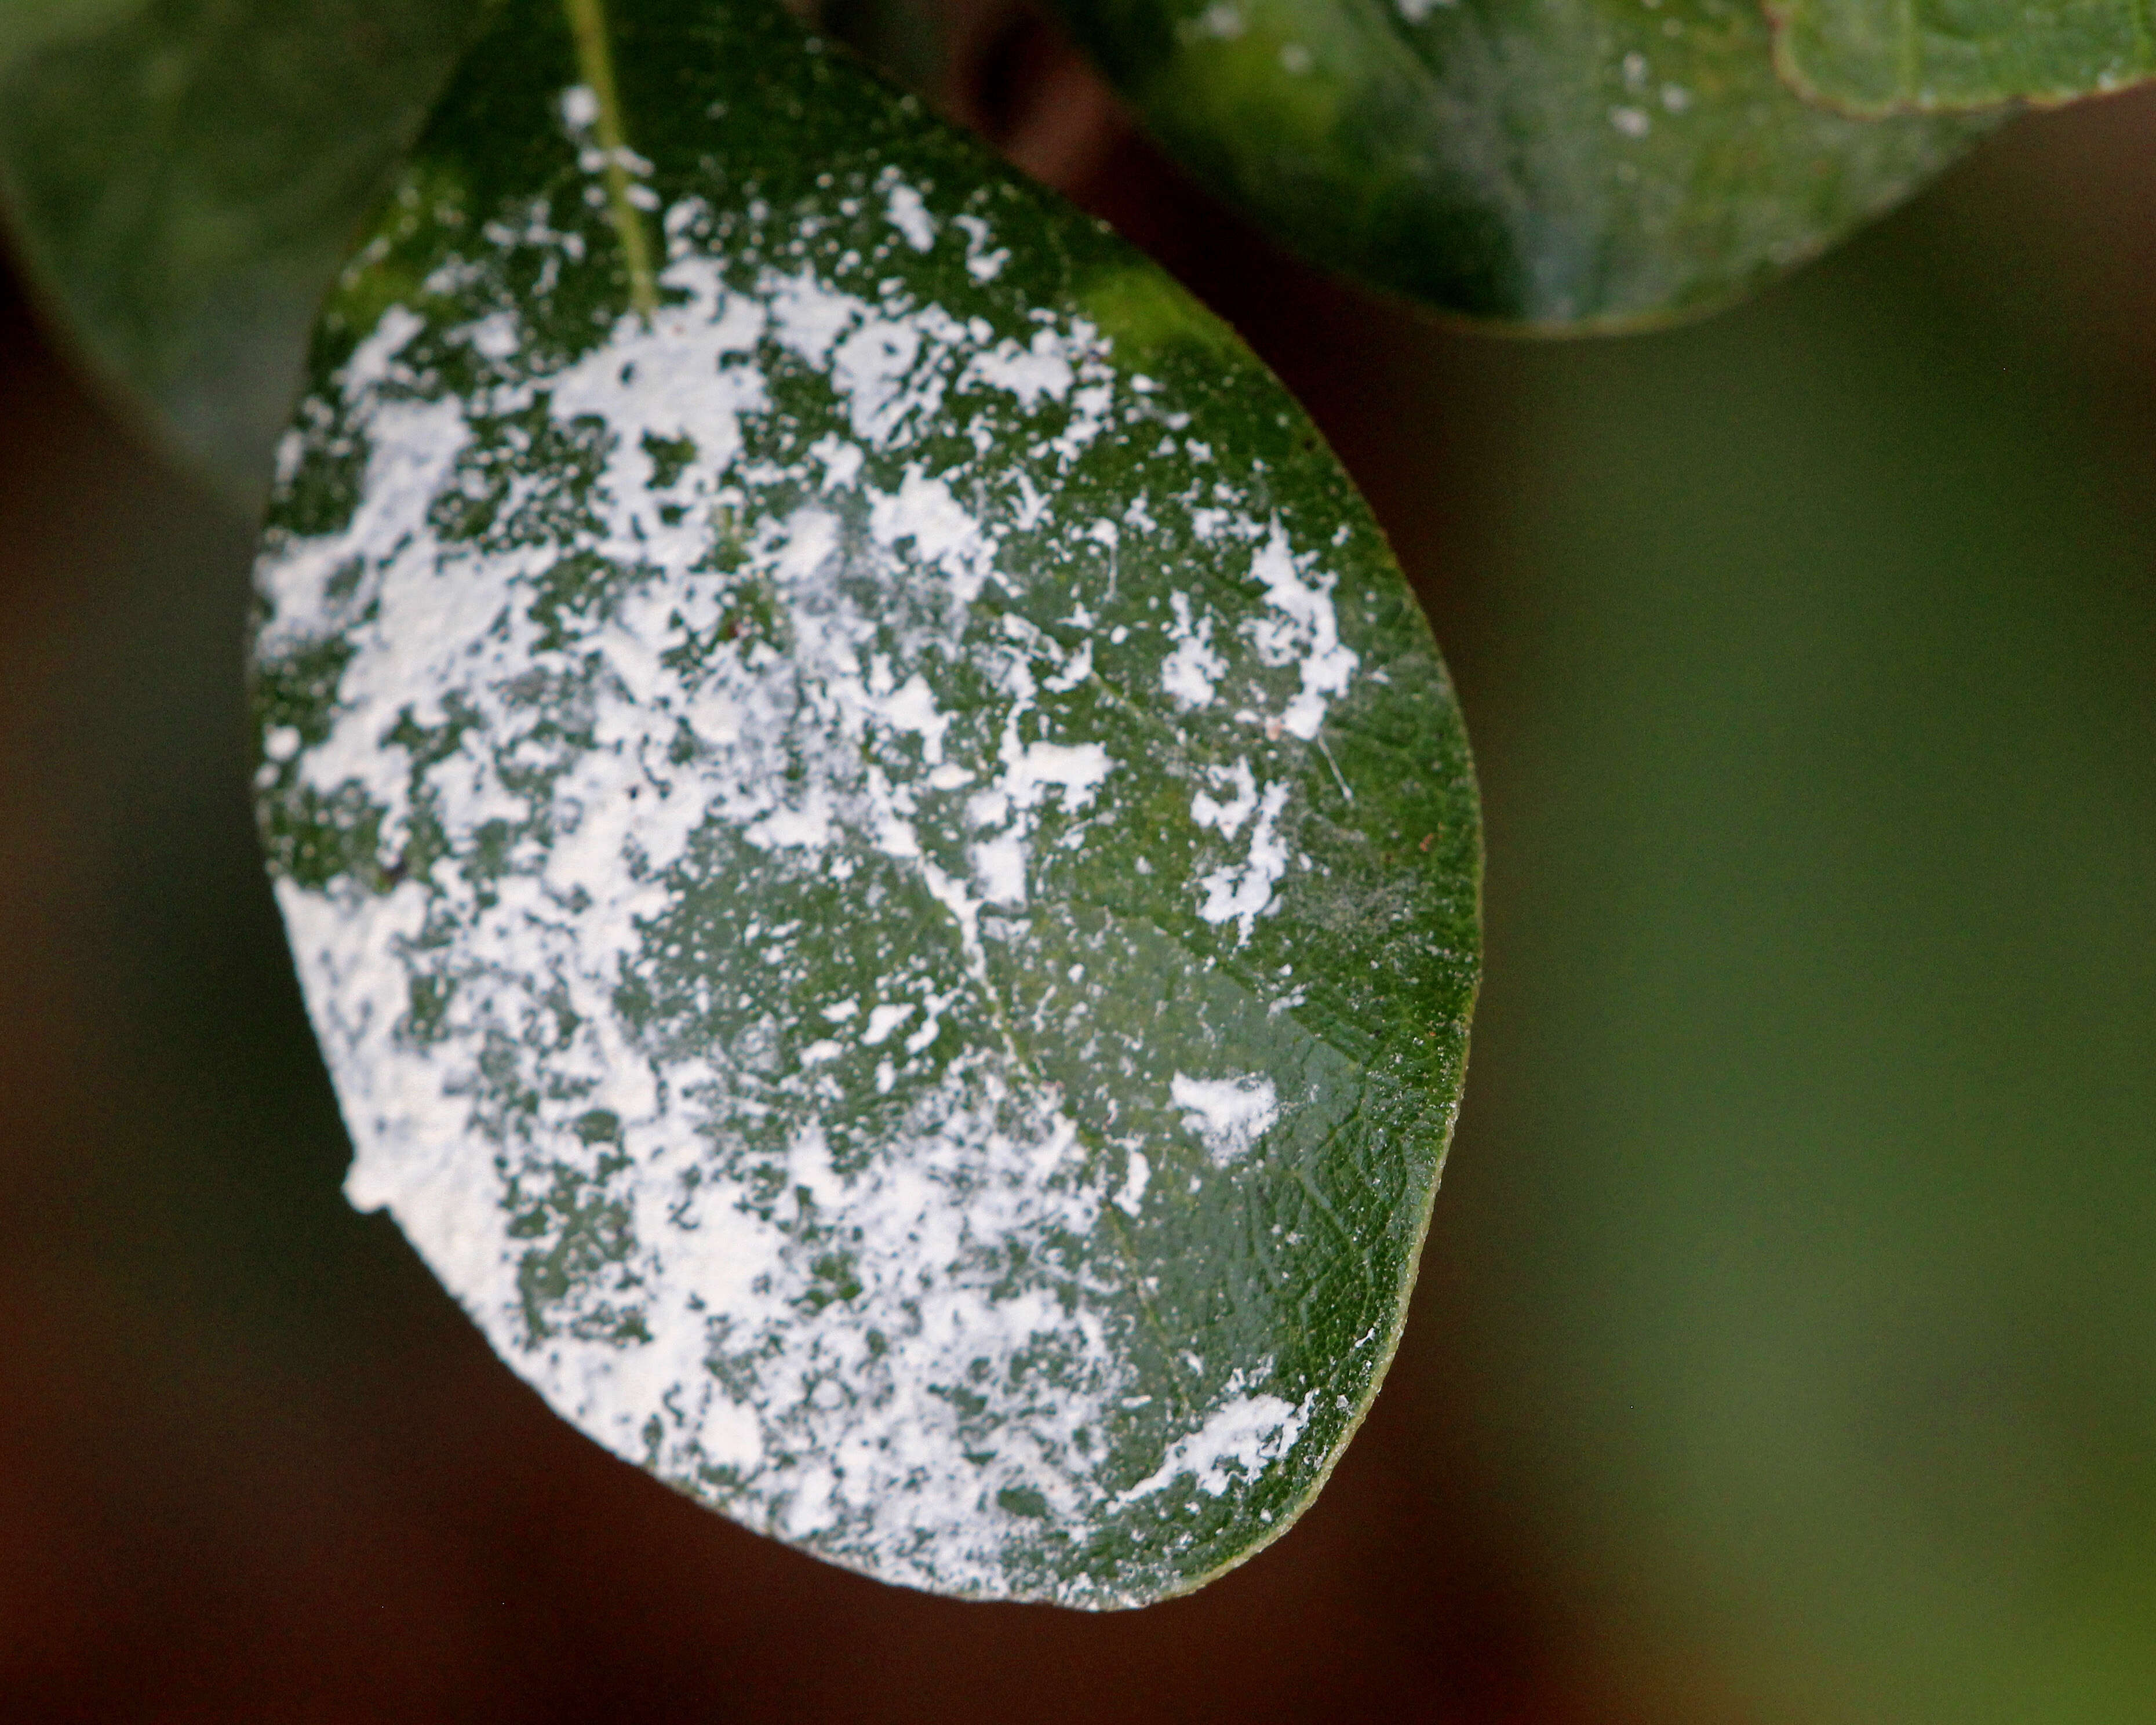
186, 176
1871, 57
28, 25
885, 864
1562, 164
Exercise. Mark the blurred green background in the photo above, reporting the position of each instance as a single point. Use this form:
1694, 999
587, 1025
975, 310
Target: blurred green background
1786, 1344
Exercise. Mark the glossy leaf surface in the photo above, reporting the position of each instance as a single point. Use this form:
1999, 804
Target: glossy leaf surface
885, 864
1566, 164
1925, 56
185, 176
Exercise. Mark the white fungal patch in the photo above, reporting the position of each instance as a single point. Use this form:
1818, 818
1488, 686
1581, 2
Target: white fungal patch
1304, 632
1189, 673
1138, 1175
999, 864
1238, 1439
885, 1019
840, 460
1243, 892
1041, 368
906, 211
692, 789
580, 107
1228, 817
984, 262
1227, 1115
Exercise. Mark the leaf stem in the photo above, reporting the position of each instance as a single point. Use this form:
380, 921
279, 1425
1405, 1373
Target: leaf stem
595, 67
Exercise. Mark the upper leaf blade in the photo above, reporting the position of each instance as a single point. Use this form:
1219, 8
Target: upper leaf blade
1558, 164
184, 179
885, 866
1876, 57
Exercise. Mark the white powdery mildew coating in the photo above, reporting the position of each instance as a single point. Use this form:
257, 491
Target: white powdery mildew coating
1238, 1437
875, 1355
1228, 1115
1189, 673
1305, 632
1243, 893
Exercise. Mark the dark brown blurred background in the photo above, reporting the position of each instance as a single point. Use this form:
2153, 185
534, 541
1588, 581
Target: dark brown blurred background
1786, 1347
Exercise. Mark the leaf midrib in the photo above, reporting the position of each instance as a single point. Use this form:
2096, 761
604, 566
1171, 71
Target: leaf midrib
587, 27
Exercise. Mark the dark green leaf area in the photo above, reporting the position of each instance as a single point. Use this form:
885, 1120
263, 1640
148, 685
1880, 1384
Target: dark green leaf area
1556, 164
906, 936
184, 177
585, 1236
1936, 56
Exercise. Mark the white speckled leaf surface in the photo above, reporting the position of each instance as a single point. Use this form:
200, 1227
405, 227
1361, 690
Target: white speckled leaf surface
885, 866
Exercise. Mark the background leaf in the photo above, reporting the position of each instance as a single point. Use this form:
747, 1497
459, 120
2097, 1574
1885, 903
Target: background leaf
1937, 56
26, 24
885, 864
1567, 164
186, 176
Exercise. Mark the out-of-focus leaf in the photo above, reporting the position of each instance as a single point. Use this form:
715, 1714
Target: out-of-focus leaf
1566, 164
26, 24
185, 176
1871, 57
885, 865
